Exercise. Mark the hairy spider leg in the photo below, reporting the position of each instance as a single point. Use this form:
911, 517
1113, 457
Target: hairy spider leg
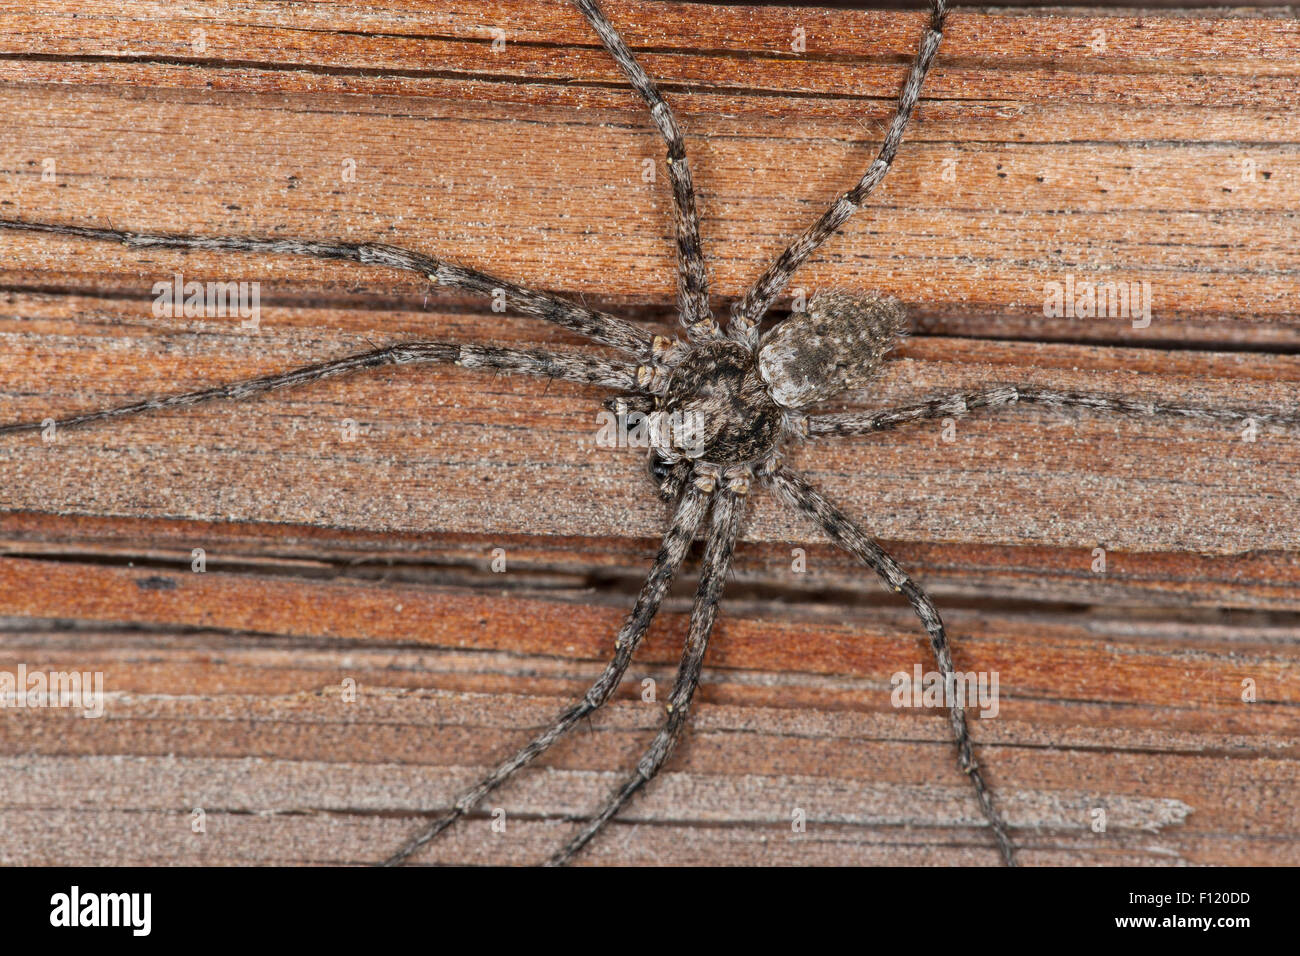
676, 543
839, 528
746, 312
961, 403
600, 326
622, 335
572, 368
724, 528
692, 279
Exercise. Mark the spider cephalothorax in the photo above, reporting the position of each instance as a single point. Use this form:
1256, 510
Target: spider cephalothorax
721, 403
716, 408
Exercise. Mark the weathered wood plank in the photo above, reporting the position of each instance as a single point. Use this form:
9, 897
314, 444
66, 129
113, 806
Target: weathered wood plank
1077, 732
1168, 154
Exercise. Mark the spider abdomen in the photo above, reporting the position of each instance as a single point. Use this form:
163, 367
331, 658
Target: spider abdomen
837, 344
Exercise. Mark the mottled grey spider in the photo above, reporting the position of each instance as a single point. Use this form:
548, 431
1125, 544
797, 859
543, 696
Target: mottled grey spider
745, 394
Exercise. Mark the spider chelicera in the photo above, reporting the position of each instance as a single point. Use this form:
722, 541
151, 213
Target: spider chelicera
721, 404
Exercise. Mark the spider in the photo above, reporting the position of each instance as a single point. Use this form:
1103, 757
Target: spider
722, 403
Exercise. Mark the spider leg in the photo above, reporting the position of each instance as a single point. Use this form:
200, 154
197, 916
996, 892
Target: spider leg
746, 312
676, 543
600, 326
668, 478
840, 529
692, 282
569, 367
959, 403
724, 527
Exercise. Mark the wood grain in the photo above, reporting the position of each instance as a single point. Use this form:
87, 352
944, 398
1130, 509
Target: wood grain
1167, 153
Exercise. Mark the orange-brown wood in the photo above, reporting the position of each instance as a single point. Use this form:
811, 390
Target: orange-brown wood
1162, 148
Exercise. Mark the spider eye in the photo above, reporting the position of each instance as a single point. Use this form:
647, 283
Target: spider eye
837, 344
659, 469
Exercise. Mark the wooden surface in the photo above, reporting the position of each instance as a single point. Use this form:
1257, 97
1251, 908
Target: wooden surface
370, 560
